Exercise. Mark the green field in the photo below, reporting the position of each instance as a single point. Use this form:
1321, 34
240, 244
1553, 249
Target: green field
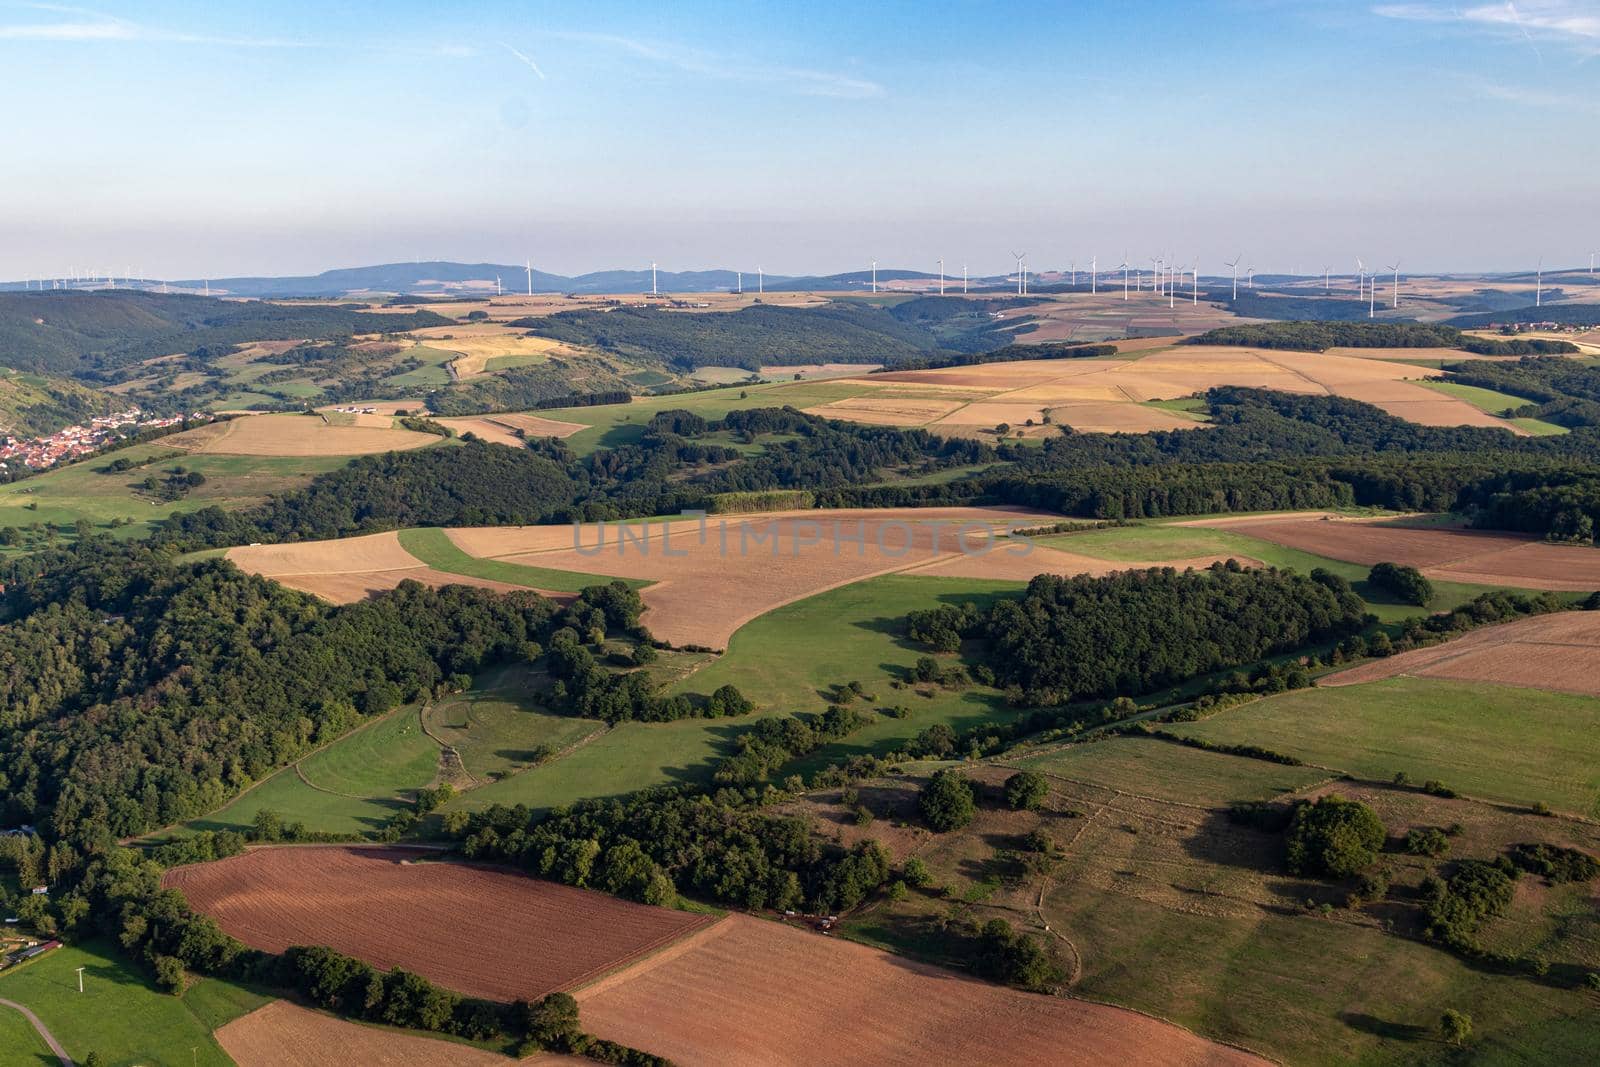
1162, 540
119, 1014
1193, 407
1513, 745
1309, 990
355, 784
1156, 768
849, 634
620, 424
1496, 403
434, 547
496, 730
80, 491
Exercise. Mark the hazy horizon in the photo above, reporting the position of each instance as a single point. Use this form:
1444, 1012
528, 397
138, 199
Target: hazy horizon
189, 140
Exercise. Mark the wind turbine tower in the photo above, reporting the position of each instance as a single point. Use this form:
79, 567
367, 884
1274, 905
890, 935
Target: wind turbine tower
1396, 269
1094, 274
528, 266
1250, 279
653, 290
874, 276
1538, 293
497, 290
1124, 270
1234, 266
761, 281
963, 279
1018, 256
1196, 294
941, 275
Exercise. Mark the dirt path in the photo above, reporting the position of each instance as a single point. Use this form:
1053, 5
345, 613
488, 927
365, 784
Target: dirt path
49, 1038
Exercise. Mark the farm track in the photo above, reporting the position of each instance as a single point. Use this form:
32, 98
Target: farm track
43, 1031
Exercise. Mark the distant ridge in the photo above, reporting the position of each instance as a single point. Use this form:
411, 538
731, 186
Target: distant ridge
437, 277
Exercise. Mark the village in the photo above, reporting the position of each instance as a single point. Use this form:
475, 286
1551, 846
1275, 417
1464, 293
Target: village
74, 442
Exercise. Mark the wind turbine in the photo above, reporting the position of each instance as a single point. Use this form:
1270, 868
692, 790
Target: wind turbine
1172, 292
1538, 299
941, 275
1072, 265
738, 285
527, 265
1124, 269
1019, 256
1234, 266
1094, 274
761, 281
963, 279
1195, 300
1591, 263
653, 291
1250, 279
874, 276
497, 291
1396, 268
1372, 298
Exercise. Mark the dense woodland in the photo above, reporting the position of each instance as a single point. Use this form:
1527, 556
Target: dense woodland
1078, 638
136, 692
90, 335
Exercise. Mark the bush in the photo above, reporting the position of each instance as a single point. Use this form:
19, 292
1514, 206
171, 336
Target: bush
1406, 583
1333, 837
946, 802
916, 873
1431, 842
1027, 790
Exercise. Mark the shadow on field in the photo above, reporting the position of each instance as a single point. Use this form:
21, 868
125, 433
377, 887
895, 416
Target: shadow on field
1371, 1024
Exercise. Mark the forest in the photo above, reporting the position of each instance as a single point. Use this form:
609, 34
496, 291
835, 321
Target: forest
1077, 638
751, 337
89, 335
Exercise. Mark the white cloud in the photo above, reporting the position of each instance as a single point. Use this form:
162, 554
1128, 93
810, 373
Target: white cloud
801, 80
1571, 23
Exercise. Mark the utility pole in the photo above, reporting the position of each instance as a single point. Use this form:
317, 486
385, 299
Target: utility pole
80, 979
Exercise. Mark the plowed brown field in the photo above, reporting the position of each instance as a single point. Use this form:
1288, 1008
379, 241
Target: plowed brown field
1560, 652
748, 991
284, 1033
480, 931
1473, 556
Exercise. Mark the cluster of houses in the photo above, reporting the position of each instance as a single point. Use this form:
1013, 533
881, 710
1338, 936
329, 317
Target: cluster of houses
76, 441
353, 410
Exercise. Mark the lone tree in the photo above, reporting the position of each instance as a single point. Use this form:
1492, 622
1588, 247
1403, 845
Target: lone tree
1334, 837
1026, 790
1455, 1026
946, 802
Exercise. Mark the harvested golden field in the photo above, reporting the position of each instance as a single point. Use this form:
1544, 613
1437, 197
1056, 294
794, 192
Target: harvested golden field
751, 991
1021, 567
284, 1033
746, 565
371, 552
349, 569
1473, 556
786, 372
484, 932
476, 345
707, 581
1105, 394
501, 429
296, 435
1560, 652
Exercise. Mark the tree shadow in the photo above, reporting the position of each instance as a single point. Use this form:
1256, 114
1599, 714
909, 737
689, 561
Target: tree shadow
1385, 1028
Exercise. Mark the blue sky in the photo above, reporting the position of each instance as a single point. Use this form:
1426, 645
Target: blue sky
221, 138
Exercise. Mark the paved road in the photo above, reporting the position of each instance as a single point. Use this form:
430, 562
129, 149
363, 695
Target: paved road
49, 1038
